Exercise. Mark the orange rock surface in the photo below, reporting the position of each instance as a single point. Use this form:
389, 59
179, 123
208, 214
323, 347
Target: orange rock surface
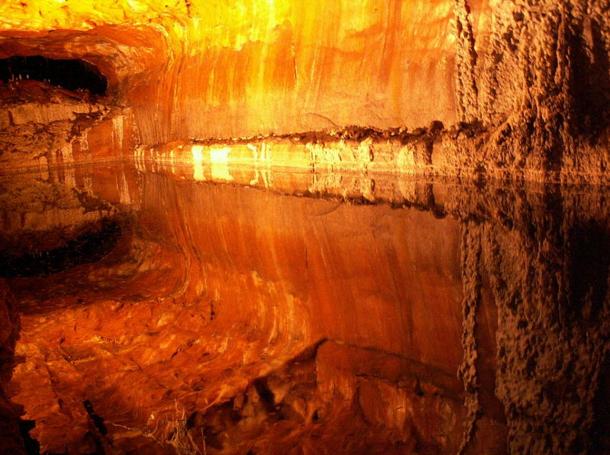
251, 265
161, 330
197, 69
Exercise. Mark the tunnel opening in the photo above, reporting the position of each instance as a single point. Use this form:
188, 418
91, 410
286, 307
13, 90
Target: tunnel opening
70, 74
88, 247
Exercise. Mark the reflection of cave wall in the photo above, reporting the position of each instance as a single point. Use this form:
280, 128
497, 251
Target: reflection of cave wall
10, 437
187, 318
141, 311
547, 262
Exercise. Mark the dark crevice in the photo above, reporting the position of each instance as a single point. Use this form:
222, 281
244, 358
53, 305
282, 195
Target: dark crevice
264, 392
87, 248
71, 74
96, 419
31, 445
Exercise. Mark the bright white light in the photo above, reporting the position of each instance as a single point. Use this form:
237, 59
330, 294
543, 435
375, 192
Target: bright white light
197, 151
219, 159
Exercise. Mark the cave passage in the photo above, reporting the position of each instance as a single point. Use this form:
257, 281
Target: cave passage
71, 74
88, 247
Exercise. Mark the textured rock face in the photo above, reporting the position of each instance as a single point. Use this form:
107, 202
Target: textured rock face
195, 69
535, 77
43, 127
544, 80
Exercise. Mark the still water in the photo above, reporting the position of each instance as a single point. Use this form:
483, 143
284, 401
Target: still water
160, 310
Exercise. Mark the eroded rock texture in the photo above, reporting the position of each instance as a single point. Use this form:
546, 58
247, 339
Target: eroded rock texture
42, 127
535, 76
544, 81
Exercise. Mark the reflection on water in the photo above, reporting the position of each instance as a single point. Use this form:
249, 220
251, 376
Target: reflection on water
167, 310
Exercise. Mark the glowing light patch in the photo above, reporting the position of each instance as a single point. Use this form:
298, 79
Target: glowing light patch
219, 159
254, 150
197, 151
220, 155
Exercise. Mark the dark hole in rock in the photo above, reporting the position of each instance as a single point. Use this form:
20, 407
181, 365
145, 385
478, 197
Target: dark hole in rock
71, 74
32, 447
86, 248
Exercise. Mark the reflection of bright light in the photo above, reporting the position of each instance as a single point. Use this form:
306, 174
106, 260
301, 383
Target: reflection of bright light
254, 150
197, 151
220, 155
219, 159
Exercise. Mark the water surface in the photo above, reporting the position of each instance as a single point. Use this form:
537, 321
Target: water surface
172, 309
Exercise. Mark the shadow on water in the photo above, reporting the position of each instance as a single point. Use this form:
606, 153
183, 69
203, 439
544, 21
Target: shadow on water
86, 248
590, 264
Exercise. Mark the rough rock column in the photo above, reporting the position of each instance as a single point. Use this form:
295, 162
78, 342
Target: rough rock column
544, 80
549, 272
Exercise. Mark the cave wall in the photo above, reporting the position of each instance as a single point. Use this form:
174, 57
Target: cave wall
536, 77
531, 82
543, 83
195, 69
